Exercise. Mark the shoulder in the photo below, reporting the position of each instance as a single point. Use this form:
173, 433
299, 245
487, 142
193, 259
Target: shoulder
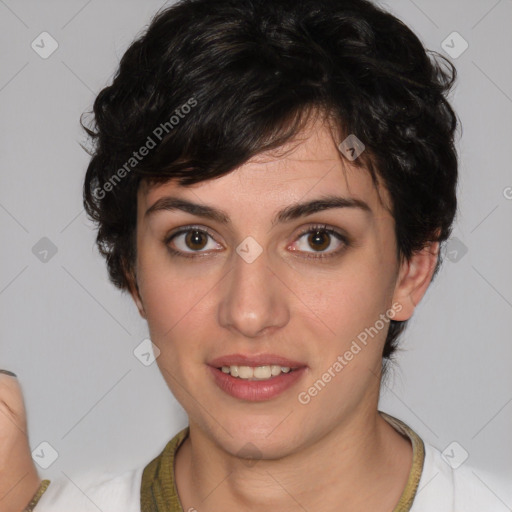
446, 486
93, 492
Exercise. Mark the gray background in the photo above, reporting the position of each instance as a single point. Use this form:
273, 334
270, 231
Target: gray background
70, 335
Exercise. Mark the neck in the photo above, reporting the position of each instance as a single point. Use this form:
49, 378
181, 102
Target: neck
363, 464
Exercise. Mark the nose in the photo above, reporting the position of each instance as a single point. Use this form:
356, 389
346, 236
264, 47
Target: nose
254, 302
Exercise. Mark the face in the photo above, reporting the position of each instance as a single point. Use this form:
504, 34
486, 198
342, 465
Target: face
261, 282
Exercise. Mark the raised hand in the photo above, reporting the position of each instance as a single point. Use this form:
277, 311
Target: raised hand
19, 479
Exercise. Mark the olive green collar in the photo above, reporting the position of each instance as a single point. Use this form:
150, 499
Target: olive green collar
158, 486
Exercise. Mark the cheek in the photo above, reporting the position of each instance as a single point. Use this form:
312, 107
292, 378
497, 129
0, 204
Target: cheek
171, 305
349, 315
351, 296
168, 293
348, 304
173, 312
176, 298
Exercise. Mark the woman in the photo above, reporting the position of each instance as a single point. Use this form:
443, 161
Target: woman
272, 182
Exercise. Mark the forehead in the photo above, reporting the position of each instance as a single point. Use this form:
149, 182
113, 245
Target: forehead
307, 167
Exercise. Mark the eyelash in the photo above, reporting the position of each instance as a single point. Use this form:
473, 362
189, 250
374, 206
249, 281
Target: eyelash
310, 229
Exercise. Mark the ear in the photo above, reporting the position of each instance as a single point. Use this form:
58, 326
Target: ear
133, 287
414, 278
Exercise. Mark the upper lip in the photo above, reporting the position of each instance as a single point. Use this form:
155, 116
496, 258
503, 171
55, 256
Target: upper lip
254, 360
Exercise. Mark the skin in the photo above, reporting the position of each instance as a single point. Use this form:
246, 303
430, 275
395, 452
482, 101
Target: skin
19, 479
335, 453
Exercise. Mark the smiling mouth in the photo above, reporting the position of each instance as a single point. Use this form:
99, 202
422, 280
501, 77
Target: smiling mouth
256, 372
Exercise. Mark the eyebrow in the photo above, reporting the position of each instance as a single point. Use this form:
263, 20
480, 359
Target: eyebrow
291, 212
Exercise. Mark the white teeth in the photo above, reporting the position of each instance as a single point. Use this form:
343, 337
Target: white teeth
245, 372
275, 370
262, 372
255, 373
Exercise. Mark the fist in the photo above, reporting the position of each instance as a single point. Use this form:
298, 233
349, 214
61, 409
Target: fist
19, 479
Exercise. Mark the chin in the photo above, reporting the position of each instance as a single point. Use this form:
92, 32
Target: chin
263, 436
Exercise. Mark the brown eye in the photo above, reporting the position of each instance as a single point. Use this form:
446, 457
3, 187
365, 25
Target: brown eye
191, 242
196, 240
319, 240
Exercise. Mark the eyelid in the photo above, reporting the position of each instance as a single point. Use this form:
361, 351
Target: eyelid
186, 229
324, 227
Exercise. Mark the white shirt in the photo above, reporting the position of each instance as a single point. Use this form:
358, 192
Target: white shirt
441, 489
465, 489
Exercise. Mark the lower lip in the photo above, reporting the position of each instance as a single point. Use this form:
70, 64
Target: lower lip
256, 390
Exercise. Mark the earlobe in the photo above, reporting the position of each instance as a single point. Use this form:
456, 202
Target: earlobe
414, 278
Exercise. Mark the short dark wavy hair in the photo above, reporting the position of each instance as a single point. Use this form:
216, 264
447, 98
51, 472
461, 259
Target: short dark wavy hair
214, 82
